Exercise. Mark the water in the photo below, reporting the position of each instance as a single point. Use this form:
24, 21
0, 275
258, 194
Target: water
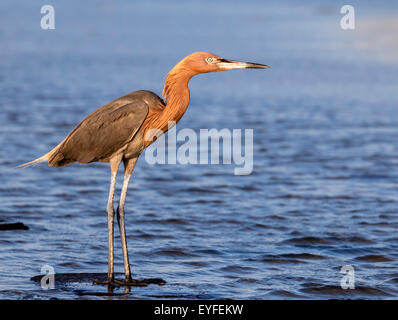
323, 193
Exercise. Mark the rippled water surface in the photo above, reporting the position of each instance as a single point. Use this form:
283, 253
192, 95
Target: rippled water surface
323, 192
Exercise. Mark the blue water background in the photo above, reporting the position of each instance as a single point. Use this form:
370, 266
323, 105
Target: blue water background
323, 192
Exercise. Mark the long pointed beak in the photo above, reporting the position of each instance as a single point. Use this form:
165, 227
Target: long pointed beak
231, 64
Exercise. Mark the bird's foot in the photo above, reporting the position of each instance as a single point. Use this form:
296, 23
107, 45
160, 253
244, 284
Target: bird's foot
108, 282
140, 283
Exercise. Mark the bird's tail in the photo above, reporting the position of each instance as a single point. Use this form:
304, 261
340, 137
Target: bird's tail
38, 160
44, 158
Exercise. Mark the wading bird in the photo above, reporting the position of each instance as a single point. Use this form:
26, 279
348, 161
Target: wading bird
117, 132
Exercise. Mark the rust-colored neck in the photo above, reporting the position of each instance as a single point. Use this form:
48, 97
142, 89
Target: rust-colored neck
176, 93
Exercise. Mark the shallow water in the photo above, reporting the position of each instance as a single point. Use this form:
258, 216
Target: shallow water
323, 192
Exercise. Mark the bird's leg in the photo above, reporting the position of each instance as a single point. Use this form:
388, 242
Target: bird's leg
122, 229
111, 214
128, 169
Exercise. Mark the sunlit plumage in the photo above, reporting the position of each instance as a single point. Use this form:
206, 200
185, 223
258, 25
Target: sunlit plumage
117, 132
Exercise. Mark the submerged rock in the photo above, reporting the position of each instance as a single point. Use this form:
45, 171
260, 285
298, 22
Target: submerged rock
13, 226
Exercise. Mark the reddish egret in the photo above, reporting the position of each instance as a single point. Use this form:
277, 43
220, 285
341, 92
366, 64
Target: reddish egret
116, 132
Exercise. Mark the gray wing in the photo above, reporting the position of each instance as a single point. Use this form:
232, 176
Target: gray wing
102, 133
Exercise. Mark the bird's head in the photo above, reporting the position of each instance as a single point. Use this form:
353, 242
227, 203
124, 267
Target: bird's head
203, 62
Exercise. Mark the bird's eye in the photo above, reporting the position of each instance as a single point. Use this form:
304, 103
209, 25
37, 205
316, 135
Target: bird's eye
209, 60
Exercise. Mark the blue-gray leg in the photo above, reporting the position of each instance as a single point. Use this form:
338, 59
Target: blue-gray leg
111, 216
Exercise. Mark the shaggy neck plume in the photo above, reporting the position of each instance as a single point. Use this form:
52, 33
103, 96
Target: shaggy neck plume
176, 93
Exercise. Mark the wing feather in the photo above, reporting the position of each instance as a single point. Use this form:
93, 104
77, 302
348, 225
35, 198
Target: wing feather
102, 133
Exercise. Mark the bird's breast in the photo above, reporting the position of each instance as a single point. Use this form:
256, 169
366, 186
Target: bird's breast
135, 146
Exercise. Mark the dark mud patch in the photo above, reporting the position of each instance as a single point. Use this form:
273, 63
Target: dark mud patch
81, 282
